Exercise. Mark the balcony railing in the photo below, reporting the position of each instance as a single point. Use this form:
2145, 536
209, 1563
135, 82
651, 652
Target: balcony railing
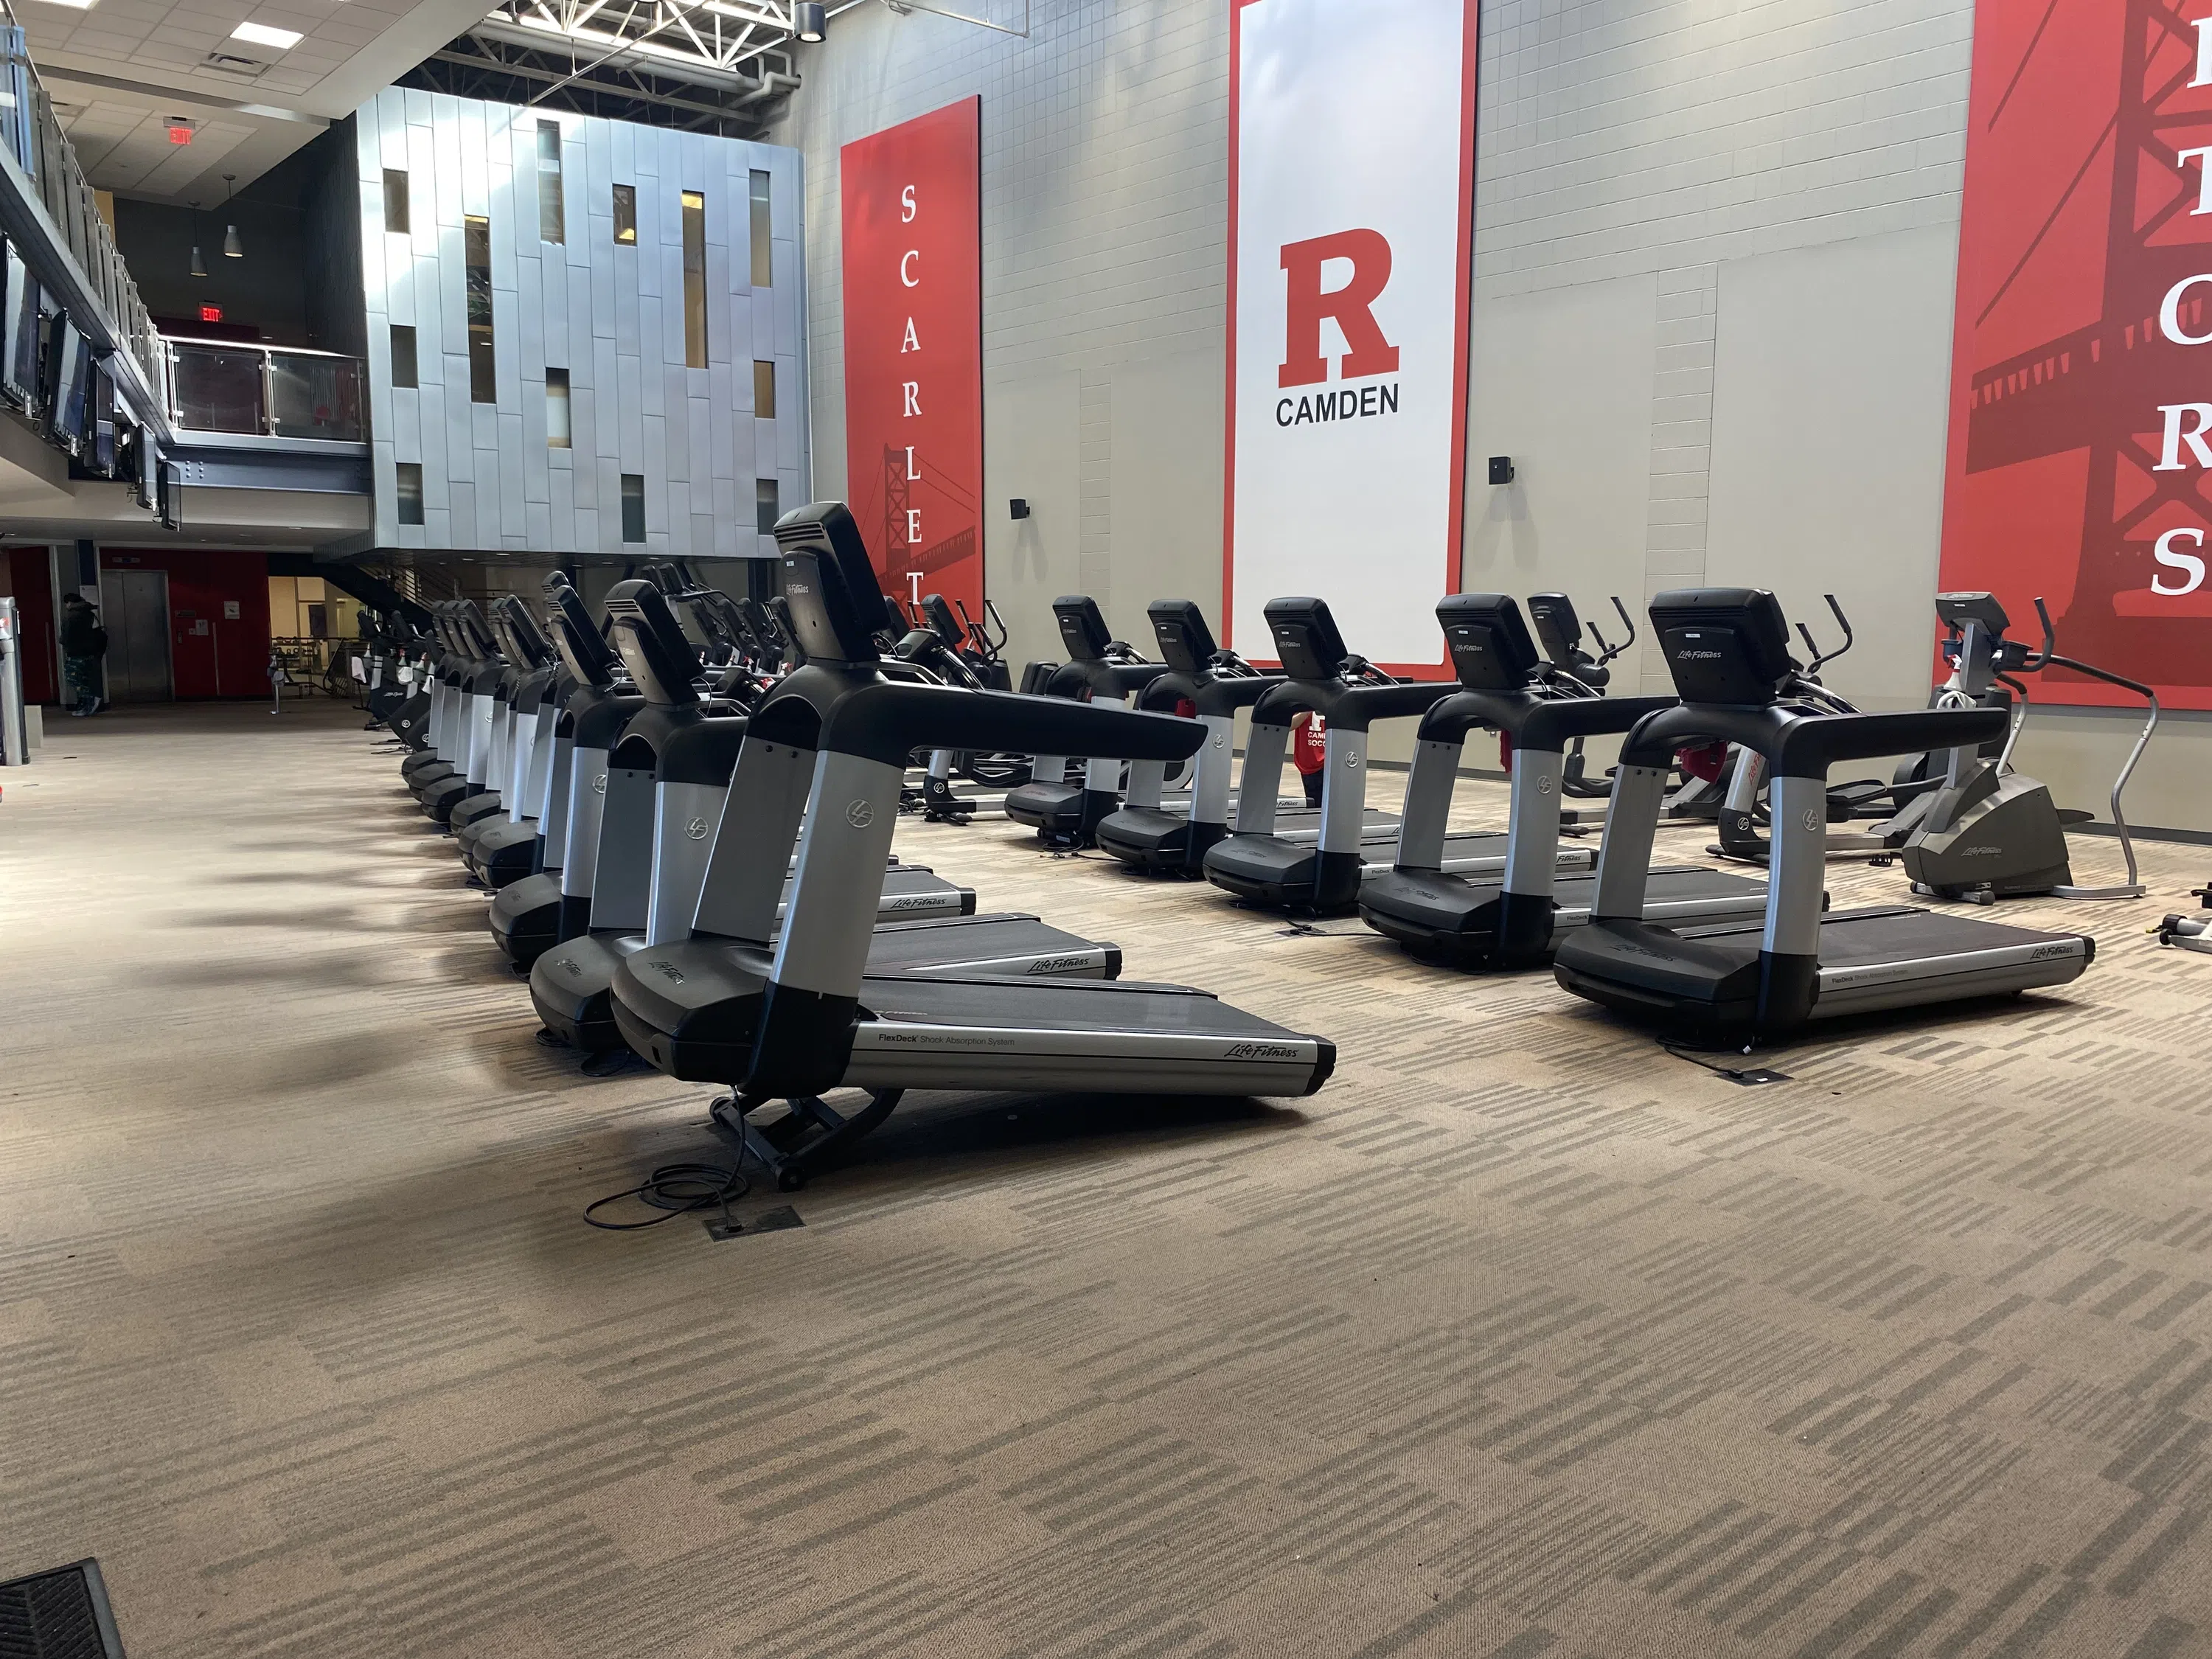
271, 391
34, 138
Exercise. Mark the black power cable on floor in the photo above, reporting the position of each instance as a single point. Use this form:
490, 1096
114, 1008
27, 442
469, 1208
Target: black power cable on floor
1750, 1075
676, 1189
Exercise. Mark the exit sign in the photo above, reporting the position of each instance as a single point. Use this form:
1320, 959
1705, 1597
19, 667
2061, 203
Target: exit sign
210, 313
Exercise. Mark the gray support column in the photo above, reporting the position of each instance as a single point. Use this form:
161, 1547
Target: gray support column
623, 883
1427, 809
1147, 783
744, 883
842, 849
1102, 775
1631, 824
1343, 791
1209, 794
1261, 778
1797, 868
553, 817
685, 818
587, 800
1532, 840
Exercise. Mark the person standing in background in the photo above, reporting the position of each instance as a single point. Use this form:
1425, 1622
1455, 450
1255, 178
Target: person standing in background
84, 645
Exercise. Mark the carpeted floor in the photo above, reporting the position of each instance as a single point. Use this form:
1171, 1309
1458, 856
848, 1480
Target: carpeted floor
1522, 1338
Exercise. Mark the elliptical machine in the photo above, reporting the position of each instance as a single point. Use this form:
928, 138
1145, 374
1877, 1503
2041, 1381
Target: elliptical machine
1989, 832
1559, 630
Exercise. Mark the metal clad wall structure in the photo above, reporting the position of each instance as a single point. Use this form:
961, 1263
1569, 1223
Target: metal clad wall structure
611, 314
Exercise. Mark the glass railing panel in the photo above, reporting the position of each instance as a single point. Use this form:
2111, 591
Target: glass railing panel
218, 390
315, 396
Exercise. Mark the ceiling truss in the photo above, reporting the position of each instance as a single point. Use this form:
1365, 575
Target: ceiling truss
703, 65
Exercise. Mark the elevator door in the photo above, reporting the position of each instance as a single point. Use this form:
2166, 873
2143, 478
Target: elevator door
134, 608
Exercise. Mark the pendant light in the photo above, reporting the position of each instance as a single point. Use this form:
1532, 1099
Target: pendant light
199, 265
231, 247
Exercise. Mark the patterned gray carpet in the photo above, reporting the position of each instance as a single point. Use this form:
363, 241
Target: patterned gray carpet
1522, 1338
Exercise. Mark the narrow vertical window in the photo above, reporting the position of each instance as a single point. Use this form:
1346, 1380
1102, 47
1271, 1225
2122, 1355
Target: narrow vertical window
483, 383
557, 409
632, 507
403, 372
766, 509
763, 263
626, 215
395, 200
552, 222
409, 492
763, 389
695, 280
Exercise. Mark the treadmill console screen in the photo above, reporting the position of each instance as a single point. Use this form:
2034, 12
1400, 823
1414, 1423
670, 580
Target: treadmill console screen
1558, 628
1186, 642
1491, 649
1082, 629
1957, 610
837, 606
1306, 639
530, 649
650, 641
1723, 645
938, 615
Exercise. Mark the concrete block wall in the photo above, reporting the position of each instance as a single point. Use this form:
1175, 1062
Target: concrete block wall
612, 314
1671, 139
1105, 282
1715, 251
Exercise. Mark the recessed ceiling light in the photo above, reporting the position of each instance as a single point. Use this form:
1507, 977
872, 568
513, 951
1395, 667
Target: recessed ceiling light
262, 35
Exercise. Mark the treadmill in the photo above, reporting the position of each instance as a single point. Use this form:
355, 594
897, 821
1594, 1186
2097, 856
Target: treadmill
794, 1019
1101, 671
435, 759
667, 780
482, 673
1517, 918
1351, 694
503, 850
1728, 650
538, 910
1209, 684
531, 667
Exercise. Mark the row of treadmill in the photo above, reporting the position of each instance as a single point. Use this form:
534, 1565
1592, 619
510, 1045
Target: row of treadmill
685, 808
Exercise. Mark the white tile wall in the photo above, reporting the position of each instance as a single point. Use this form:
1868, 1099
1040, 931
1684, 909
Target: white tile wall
611, 314
1621, 138
1104, 205
1615, 138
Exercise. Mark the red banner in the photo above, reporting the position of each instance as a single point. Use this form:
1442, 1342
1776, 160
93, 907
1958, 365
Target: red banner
2080, 438
914, 351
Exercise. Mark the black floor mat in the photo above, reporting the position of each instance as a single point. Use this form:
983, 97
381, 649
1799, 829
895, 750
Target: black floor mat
61, 1614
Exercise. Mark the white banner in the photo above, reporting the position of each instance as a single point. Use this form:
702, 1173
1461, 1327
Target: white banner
1351, 131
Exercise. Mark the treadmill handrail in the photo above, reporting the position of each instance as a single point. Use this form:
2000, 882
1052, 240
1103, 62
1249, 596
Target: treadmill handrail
1350, 708
1102, 677
1210, 693
1534, 721
887, 722
1798, 743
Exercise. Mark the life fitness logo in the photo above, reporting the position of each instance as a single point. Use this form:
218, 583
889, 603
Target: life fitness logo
1351, 305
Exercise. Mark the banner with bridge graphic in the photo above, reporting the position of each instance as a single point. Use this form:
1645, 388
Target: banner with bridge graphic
2080, 435
912, 218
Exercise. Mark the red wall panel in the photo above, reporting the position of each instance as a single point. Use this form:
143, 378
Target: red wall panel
30, 578
914, 351
212, 652
2080, 432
